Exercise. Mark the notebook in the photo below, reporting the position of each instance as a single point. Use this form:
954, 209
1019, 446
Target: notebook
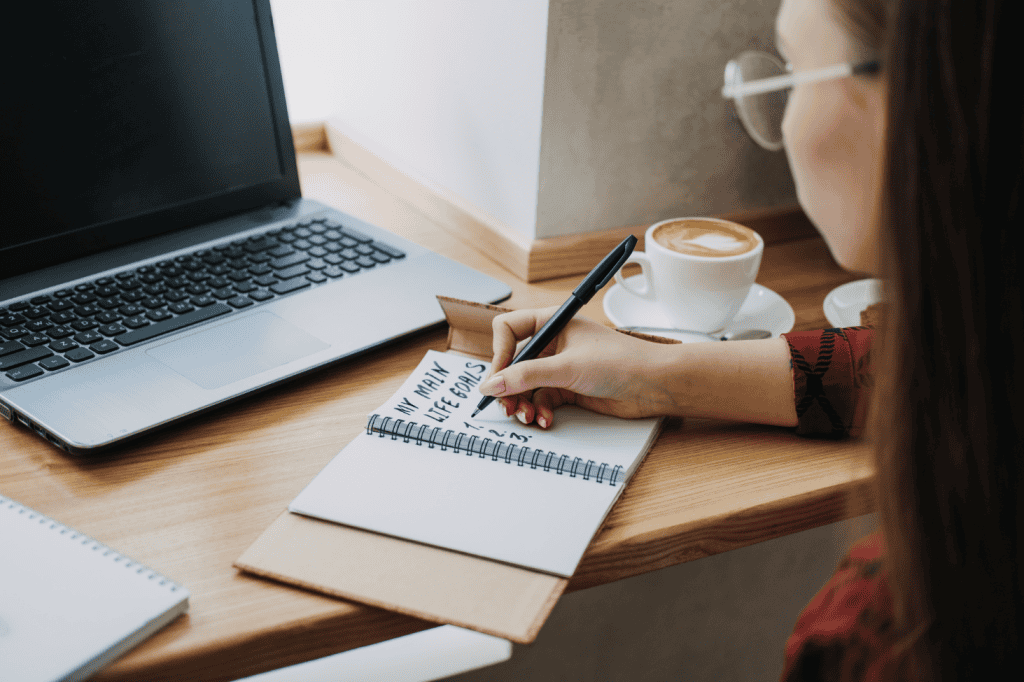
473, 522
159, 258
70, 604
489, 486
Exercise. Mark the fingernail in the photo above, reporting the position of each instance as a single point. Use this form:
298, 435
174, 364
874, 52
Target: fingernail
521, 415
543, 421
493, 386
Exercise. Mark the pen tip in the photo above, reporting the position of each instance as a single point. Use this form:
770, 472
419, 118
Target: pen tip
475, 413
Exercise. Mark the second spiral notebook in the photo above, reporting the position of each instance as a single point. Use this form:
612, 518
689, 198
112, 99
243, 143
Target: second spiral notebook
424, 470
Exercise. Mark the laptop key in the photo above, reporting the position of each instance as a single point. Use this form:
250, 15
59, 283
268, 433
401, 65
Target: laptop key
159, 315
261, 295
59, 332
8, 347
23, 373
34, 339
202, 314
88, 337
289, 260
293, 271
354, 234
13, 332
261, 269
390, 250
63, 345
135, 322
79, 354
10, 320
290, 285
107, 318
240, 301
257, 244
24, 357
104, 346
56, 362
180, 308
112, 329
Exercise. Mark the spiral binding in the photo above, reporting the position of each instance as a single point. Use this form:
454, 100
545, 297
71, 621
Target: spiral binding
431, 436
7, 503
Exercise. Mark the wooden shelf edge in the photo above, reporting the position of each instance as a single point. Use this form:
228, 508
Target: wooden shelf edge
309, 137
728, 532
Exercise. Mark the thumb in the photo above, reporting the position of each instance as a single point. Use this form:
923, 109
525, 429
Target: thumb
549, 372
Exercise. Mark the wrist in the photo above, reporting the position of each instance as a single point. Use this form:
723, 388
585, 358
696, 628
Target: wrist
748, 381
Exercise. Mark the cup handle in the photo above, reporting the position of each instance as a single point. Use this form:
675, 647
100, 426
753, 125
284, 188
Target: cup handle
640, 258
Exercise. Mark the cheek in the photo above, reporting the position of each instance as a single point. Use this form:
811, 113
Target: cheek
831, 155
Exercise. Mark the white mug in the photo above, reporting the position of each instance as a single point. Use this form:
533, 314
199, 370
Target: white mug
697, 292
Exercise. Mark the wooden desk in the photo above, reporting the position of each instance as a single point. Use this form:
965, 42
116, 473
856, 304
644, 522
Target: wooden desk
189, 500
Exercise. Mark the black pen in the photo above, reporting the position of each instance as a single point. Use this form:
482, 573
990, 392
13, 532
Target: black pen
582, 294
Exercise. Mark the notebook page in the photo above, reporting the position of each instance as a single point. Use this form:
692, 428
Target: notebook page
478, 505
70, 604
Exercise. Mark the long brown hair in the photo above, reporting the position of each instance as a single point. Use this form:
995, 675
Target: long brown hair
948, 416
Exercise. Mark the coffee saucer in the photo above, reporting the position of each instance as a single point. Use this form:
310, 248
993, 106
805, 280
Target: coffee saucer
844, 304
762, 309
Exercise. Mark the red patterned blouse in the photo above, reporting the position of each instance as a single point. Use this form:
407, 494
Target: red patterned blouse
831, 380
845, 632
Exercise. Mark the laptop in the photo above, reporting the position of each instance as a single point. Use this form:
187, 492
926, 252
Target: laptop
157, 258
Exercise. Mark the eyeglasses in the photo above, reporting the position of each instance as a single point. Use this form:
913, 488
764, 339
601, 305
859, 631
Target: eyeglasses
759, 84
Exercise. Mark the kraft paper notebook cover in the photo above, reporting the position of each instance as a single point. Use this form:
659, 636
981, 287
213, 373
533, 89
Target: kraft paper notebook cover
486, 518
69, 604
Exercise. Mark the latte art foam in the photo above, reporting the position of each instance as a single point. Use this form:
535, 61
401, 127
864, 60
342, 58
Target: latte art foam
706, 238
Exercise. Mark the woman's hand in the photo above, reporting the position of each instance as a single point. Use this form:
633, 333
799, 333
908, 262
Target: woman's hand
606, 371
587, 364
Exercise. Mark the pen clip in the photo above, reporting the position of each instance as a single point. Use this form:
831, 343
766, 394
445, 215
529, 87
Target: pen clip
627, 252
606, 269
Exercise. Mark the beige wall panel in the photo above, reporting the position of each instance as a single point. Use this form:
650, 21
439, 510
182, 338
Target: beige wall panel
634, 126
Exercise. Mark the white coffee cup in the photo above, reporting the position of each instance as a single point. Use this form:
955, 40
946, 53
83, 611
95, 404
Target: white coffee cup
698, 270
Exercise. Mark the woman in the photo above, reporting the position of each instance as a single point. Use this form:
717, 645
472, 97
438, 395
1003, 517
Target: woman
913, 172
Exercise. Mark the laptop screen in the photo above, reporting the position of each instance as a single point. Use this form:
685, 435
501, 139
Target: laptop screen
126, 119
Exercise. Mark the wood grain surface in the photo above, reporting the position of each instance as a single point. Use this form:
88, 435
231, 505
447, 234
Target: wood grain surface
188, 500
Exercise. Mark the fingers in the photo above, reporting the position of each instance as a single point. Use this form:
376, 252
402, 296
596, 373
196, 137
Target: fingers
545, 400
510, 328
555, 371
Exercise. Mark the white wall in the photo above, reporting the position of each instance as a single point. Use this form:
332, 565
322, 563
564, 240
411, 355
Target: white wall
552, 117
447, 90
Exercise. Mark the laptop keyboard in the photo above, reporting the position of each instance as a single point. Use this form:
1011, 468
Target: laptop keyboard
44, 334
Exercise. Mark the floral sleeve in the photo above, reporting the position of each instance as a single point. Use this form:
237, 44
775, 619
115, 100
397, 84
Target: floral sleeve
832, 379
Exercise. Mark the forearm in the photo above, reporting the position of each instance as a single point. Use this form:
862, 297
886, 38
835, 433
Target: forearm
749, 381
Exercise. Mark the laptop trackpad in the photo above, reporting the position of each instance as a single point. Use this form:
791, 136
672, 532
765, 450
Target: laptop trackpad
237, 350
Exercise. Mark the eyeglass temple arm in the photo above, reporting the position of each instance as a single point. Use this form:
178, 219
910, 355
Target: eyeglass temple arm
788, 80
